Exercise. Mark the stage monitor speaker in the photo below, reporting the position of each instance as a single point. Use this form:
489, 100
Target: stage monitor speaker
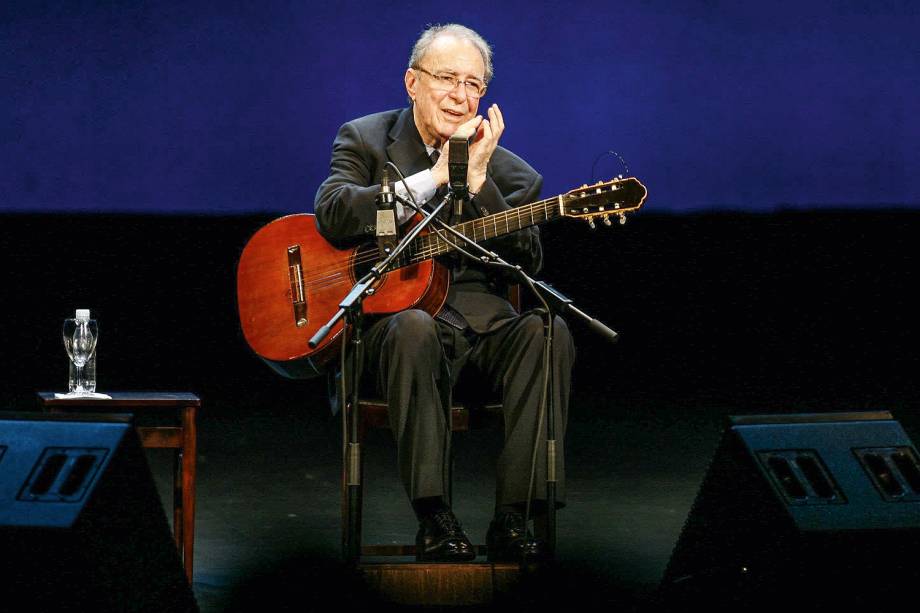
802, 512
82, 527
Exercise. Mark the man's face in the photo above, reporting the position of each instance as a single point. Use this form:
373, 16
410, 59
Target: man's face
438, 113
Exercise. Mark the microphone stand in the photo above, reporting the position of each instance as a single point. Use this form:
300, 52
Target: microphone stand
554, 302
351, 309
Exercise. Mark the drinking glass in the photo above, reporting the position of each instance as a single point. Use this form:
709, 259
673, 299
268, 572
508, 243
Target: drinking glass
80, 336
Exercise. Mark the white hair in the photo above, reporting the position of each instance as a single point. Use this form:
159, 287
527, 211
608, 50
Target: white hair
451, 29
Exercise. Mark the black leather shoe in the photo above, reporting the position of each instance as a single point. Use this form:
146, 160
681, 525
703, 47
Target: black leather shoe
440, 538
508, 540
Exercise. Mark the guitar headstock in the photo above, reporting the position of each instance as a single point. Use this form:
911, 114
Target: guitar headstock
604, 199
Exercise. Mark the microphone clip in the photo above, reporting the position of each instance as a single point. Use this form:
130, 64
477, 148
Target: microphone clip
386, 232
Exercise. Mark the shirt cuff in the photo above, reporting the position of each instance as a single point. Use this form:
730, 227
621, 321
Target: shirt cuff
423, 188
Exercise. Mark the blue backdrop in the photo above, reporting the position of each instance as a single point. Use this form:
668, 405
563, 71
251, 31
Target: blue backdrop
232, 107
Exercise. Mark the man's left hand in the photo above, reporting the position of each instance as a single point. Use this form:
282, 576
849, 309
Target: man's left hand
482, 147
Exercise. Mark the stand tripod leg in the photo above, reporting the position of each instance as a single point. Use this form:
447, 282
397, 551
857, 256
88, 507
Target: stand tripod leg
351, 448
353, 540
551, 499
550, 439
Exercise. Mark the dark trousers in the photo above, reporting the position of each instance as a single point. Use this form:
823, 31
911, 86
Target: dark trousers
415, 360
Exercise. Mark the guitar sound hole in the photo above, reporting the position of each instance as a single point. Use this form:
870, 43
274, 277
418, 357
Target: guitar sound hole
365, 258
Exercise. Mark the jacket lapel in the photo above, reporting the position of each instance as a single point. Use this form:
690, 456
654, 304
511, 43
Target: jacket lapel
406, 149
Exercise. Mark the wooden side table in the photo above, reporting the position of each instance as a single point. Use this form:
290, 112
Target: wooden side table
177, 412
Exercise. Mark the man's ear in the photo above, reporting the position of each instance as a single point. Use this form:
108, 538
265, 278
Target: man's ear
411, 83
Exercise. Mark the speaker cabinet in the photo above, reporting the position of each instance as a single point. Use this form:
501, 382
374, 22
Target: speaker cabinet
82, 527
802, 512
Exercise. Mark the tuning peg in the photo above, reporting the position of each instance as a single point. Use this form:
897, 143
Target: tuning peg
622, 220
606, 220
591, 223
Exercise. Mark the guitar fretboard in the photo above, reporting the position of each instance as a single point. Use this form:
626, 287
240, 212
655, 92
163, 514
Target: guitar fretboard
484, 228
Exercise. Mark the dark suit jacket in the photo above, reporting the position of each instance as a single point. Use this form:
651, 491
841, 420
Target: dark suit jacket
346, 210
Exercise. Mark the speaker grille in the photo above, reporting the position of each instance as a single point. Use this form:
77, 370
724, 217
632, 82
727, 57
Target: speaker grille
62, 474
801, 477
893, 470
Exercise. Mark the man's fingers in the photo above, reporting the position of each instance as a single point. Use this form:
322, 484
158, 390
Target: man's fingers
470, 128
498, 121
444, 154
481, 132
486, 130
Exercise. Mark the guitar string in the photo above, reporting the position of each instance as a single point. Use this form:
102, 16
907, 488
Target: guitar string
434, 246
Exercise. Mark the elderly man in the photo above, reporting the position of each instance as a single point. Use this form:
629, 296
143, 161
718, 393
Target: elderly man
478, 338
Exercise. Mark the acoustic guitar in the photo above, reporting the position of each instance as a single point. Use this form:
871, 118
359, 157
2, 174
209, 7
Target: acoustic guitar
290, 280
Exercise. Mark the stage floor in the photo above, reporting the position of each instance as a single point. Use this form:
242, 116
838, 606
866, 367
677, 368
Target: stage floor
268, 521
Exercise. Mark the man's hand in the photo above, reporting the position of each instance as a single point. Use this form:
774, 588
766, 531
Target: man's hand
474, 126
482, 147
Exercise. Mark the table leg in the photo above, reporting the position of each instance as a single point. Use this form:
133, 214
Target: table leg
189, 453
177, 500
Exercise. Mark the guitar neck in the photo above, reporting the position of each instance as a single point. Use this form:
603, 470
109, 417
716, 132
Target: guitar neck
484, 228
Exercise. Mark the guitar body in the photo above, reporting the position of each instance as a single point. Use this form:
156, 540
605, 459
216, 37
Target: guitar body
290, 282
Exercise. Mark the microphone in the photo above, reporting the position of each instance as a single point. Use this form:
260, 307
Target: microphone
386, 216
457, 164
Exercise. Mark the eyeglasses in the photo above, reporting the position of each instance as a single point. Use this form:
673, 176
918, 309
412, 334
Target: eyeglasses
446, 83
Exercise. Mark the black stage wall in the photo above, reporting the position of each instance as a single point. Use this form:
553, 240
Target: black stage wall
747, 307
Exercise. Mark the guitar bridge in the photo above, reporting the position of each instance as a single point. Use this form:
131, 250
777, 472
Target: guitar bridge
298, 295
